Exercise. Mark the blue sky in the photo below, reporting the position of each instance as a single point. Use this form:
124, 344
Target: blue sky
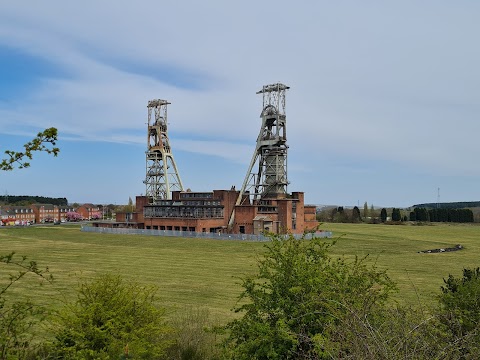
383, 106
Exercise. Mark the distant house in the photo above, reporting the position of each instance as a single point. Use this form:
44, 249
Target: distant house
89, 212
5, 218
45, 212
17, 215
22, 214
62, 212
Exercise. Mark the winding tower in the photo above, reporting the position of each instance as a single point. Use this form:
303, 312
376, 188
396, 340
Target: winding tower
162, 175
267, 174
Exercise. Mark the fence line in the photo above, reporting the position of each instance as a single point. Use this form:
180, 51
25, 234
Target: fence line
193, 234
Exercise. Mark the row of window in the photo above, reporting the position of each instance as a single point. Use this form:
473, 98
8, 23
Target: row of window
189, 203
198, 203
267, 209
27, 211
189, 195
183, 212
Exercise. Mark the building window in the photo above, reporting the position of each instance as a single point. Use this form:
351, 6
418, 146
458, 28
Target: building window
242, 229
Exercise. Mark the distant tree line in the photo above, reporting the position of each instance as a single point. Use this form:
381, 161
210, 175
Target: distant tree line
27, 200
450, 205
442, 215
341, 215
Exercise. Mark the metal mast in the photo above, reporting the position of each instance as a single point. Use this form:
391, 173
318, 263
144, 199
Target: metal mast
162, 176
270, 179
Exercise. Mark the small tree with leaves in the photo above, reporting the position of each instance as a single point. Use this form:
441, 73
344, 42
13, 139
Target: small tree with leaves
111, 318
365, 210
383, 215
356, 217
291, 307
396, 215
460, 311
73, 216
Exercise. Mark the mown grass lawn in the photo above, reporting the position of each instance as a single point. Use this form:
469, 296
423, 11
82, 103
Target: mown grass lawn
395, 248
204, 273
188, 272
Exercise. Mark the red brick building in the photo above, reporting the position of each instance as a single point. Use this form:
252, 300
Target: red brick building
45, 212
211, 212
62, 212
280, 216
19, 215
89, 211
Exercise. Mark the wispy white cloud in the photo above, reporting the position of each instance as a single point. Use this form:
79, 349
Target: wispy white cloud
237, 153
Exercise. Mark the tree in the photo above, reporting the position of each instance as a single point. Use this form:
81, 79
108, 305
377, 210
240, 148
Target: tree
18, 317
460, 311
292, 307
396, 215
373, 214
356, 217
109, 318
44, 141
365, 210
413, 216
383, 215
73, 216
340, 215
459, 299
130, 207
421, 214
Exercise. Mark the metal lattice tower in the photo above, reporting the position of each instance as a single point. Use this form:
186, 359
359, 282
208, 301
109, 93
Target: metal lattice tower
270, 156
162, 175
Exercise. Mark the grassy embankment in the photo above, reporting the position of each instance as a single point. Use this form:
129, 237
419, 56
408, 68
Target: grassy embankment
202, 272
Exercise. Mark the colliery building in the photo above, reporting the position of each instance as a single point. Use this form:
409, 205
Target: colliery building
263, 203
212, 211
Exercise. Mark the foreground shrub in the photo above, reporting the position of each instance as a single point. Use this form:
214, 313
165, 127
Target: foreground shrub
112, 318
300, 295
460, 312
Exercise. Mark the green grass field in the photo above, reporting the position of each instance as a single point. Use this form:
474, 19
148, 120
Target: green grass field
204, 273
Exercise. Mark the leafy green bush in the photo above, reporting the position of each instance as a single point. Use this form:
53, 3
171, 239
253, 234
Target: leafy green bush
112, 318
460, 312
293, 306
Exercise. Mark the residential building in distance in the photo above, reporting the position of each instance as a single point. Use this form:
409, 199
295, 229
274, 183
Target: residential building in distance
89, 212
17, 215
45, 213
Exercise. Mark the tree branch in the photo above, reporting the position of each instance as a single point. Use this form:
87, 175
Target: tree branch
44, 141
